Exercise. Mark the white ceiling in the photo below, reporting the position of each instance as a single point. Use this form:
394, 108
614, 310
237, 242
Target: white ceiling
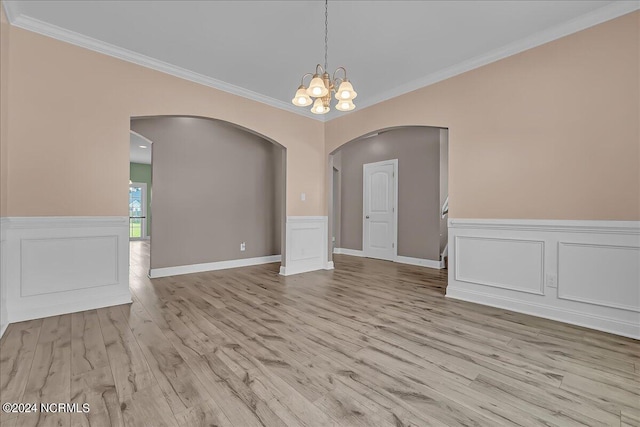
260, 49
139, 149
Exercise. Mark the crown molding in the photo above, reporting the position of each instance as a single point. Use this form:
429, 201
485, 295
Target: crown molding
58, 33
7, 11
598, 16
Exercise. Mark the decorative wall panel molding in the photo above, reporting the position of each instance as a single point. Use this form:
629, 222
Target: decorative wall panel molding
599, 274
59, 265
482, 260
306, 245
581, 272
53, 265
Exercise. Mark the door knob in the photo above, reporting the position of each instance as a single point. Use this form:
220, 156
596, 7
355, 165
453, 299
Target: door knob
367, 216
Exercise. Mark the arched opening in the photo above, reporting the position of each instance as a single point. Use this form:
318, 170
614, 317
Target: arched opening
388, 192
218, 195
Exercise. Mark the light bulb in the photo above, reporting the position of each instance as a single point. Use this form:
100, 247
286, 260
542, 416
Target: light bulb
319, 107
301, 98
345, 92
317, 87
347, 105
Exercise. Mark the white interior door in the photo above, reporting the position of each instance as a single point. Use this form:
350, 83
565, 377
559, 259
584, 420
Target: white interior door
379, 233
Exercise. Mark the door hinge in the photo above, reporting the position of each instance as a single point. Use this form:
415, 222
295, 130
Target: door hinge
393, 245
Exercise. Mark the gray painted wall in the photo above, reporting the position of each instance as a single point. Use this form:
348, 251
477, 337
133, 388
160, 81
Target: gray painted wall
214, 186
418, 152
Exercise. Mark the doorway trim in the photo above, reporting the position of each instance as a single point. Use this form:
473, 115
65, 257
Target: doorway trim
393, 162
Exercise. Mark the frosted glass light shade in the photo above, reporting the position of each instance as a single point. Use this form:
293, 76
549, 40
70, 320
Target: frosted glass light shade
317, 88
301, 99
345, 91
345, 105
319, 107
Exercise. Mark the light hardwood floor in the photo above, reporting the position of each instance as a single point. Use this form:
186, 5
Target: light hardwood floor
372, 343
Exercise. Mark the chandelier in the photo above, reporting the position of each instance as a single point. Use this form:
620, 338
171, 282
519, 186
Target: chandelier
322, 84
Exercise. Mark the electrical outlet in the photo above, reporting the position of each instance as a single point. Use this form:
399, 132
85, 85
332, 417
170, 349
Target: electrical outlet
552, 281
243, 246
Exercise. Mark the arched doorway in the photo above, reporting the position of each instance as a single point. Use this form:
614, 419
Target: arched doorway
218, 195
417, 188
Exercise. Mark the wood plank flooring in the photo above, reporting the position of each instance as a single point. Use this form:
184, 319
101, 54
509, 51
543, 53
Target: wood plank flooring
372, 343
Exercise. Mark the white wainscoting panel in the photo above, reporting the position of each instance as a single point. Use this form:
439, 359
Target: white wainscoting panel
581, 272
59, 265
66, 264
482, 260
306, 245
600, 274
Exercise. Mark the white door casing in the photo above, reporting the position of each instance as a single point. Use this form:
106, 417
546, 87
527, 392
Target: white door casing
380, 212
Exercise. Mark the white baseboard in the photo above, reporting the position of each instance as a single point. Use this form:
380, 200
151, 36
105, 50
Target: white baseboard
60, 265
73, 306
579, 272
155, 273
350, 252
399, 259
614, 326
307, 242
429, 263
290, 271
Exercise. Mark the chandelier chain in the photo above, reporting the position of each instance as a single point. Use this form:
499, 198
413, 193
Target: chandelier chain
326, 34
